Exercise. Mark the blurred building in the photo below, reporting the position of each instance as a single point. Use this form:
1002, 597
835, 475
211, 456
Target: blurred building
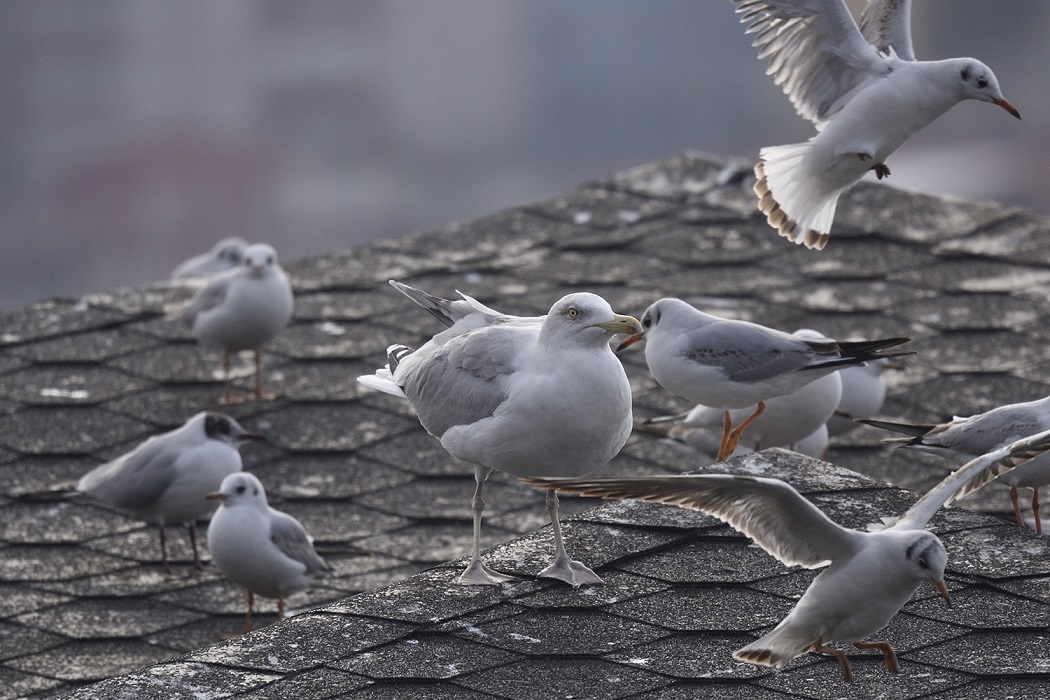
134, 133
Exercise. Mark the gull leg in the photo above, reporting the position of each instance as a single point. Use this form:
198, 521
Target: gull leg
726, 431
562, 568
881, 170
1035, 510
730, 441
888, 655
260, 395
164, 551
847, 670
227, 397
197, 566
280, 606
1017, 508
248, 617
476, 573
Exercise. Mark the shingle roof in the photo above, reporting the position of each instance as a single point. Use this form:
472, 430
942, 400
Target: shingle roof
82, 380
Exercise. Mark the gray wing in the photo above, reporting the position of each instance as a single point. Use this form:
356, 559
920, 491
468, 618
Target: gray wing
815, 51
209, 297
746, 351
886, 24
769, 511
463, 380
135, 480
972, 476
295, 542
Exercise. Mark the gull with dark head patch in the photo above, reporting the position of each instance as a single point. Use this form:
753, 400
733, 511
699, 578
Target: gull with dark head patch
729, 364
266, 551
869, 575
863, 89
167, 478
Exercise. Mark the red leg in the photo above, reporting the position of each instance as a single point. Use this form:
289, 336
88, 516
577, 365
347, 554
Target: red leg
847, 669
1017, 508
888, 655
1035, 510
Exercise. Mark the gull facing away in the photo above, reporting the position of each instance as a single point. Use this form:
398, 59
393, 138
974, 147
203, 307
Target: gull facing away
227, 254
863, 393
786, 420
965, 437
242, 309
266, 551
863, 89
871, 574
728, 364
529, 396
167, 478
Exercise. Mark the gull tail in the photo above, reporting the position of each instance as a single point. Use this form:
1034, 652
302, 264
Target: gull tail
777, 648
913, 432
795, 201
383, 379
446, 310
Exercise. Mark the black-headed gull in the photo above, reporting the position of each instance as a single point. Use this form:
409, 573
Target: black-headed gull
227, 254
533, 396
864, 91
871, 574
863, 393
786, 420
166, 479
266, 551
241, 309
965, 437
729, 364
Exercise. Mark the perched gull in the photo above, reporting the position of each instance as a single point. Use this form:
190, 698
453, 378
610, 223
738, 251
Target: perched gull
266, 551
730, 364
786, 420
963, 438
226, 254
864, 91
167, 478
537, 396
871, 574
242, 309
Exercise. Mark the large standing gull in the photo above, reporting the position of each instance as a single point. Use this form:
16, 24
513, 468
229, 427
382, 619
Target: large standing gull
871, 574
729, 364
535, 396
864, 91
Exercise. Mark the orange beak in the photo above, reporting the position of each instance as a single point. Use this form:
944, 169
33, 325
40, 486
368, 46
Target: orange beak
631, 340
943, 591
1005, 104
215, 496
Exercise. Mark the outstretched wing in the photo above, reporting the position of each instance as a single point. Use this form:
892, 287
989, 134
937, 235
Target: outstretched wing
972, 476
887, 24
815, 51
769, 511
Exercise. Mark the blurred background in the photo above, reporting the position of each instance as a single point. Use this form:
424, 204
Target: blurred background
135, 133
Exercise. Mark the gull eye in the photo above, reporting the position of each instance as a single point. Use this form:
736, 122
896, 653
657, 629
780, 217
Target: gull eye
573, 312
647, 321
923, 563
241, 489
269, 260
982, 82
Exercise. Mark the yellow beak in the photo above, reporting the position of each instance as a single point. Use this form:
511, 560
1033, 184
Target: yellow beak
621, 324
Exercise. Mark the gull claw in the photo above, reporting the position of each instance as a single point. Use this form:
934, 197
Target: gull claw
572, 572
477, 574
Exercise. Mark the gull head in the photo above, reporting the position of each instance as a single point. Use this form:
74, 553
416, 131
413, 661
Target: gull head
579, 313
221, 427
980, 83
651, 318
231, 250
240, 490
260, 259
926, 559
